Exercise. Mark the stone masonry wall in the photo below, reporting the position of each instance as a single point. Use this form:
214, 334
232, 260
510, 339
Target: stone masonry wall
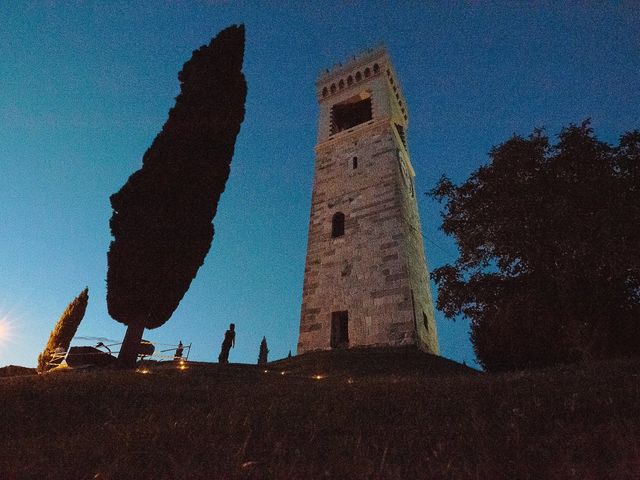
376, 271
365, 271
413, 251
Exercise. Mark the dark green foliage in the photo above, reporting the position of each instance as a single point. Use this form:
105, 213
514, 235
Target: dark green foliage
549, 269
373, 421
64, 330
162, 216
264, 351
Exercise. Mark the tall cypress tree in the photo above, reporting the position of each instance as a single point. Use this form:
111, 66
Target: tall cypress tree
64, 330
162, 216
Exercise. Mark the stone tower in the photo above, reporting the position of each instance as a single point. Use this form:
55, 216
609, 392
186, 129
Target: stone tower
366, 278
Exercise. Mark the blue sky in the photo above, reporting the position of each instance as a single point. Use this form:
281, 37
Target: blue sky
86, 86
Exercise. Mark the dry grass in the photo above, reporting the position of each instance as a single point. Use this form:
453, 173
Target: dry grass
366, 418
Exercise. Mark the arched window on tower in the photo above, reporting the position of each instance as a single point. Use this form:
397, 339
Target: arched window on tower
341, 84
337, 225
376, 68
358, 76
333, 88
349, 80
367, 72
325, 92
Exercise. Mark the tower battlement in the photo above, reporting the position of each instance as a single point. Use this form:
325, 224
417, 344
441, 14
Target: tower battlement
365, 89
366, 277
358, 60
358, 70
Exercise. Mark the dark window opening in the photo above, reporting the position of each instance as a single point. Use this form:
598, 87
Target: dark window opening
340, 329
367, 72
425, 321
349, 80
376, 68
400, 130
358, 76
325, 92
391, 80
341, 84
351, 112
337, 225
355, 162
333, 88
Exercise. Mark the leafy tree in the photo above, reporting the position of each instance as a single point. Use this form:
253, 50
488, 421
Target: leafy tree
549, 269
162, 216
264, 351
64, 330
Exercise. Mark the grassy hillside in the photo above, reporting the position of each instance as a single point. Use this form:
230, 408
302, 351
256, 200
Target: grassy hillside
14, 371
388, 413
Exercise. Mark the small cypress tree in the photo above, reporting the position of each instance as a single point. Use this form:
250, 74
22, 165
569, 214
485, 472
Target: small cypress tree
289, 356
264, 351
64, 330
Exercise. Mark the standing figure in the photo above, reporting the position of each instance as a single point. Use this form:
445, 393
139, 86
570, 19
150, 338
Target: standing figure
228, 343
178, 355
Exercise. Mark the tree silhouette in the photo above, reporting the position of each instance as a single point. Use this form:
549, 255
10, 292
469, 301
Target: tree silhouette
162, 216
64, 330
264, 351
549, 269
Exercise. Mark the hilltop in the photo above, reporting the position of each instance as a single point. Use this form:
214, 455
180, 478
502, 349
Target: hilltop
366, 413
405, 361
15, 370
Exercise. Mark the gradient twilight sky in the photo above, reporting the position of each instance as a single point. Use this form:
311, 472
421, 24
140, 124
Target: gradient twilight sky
86, 86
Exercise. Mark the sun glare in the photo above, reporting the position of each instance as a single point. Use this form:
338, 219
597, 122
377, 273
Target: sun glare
6, 330
7, 338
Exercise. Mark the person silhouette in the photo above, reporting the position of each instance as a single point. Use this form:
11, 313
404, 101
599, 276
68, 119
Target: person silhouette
227, 344
179, 350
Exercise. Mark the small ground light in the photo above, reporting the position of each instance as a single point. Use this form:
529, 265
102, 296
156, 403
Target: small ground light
318, 377
144, 370
350, 381
266, 371
282, 373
